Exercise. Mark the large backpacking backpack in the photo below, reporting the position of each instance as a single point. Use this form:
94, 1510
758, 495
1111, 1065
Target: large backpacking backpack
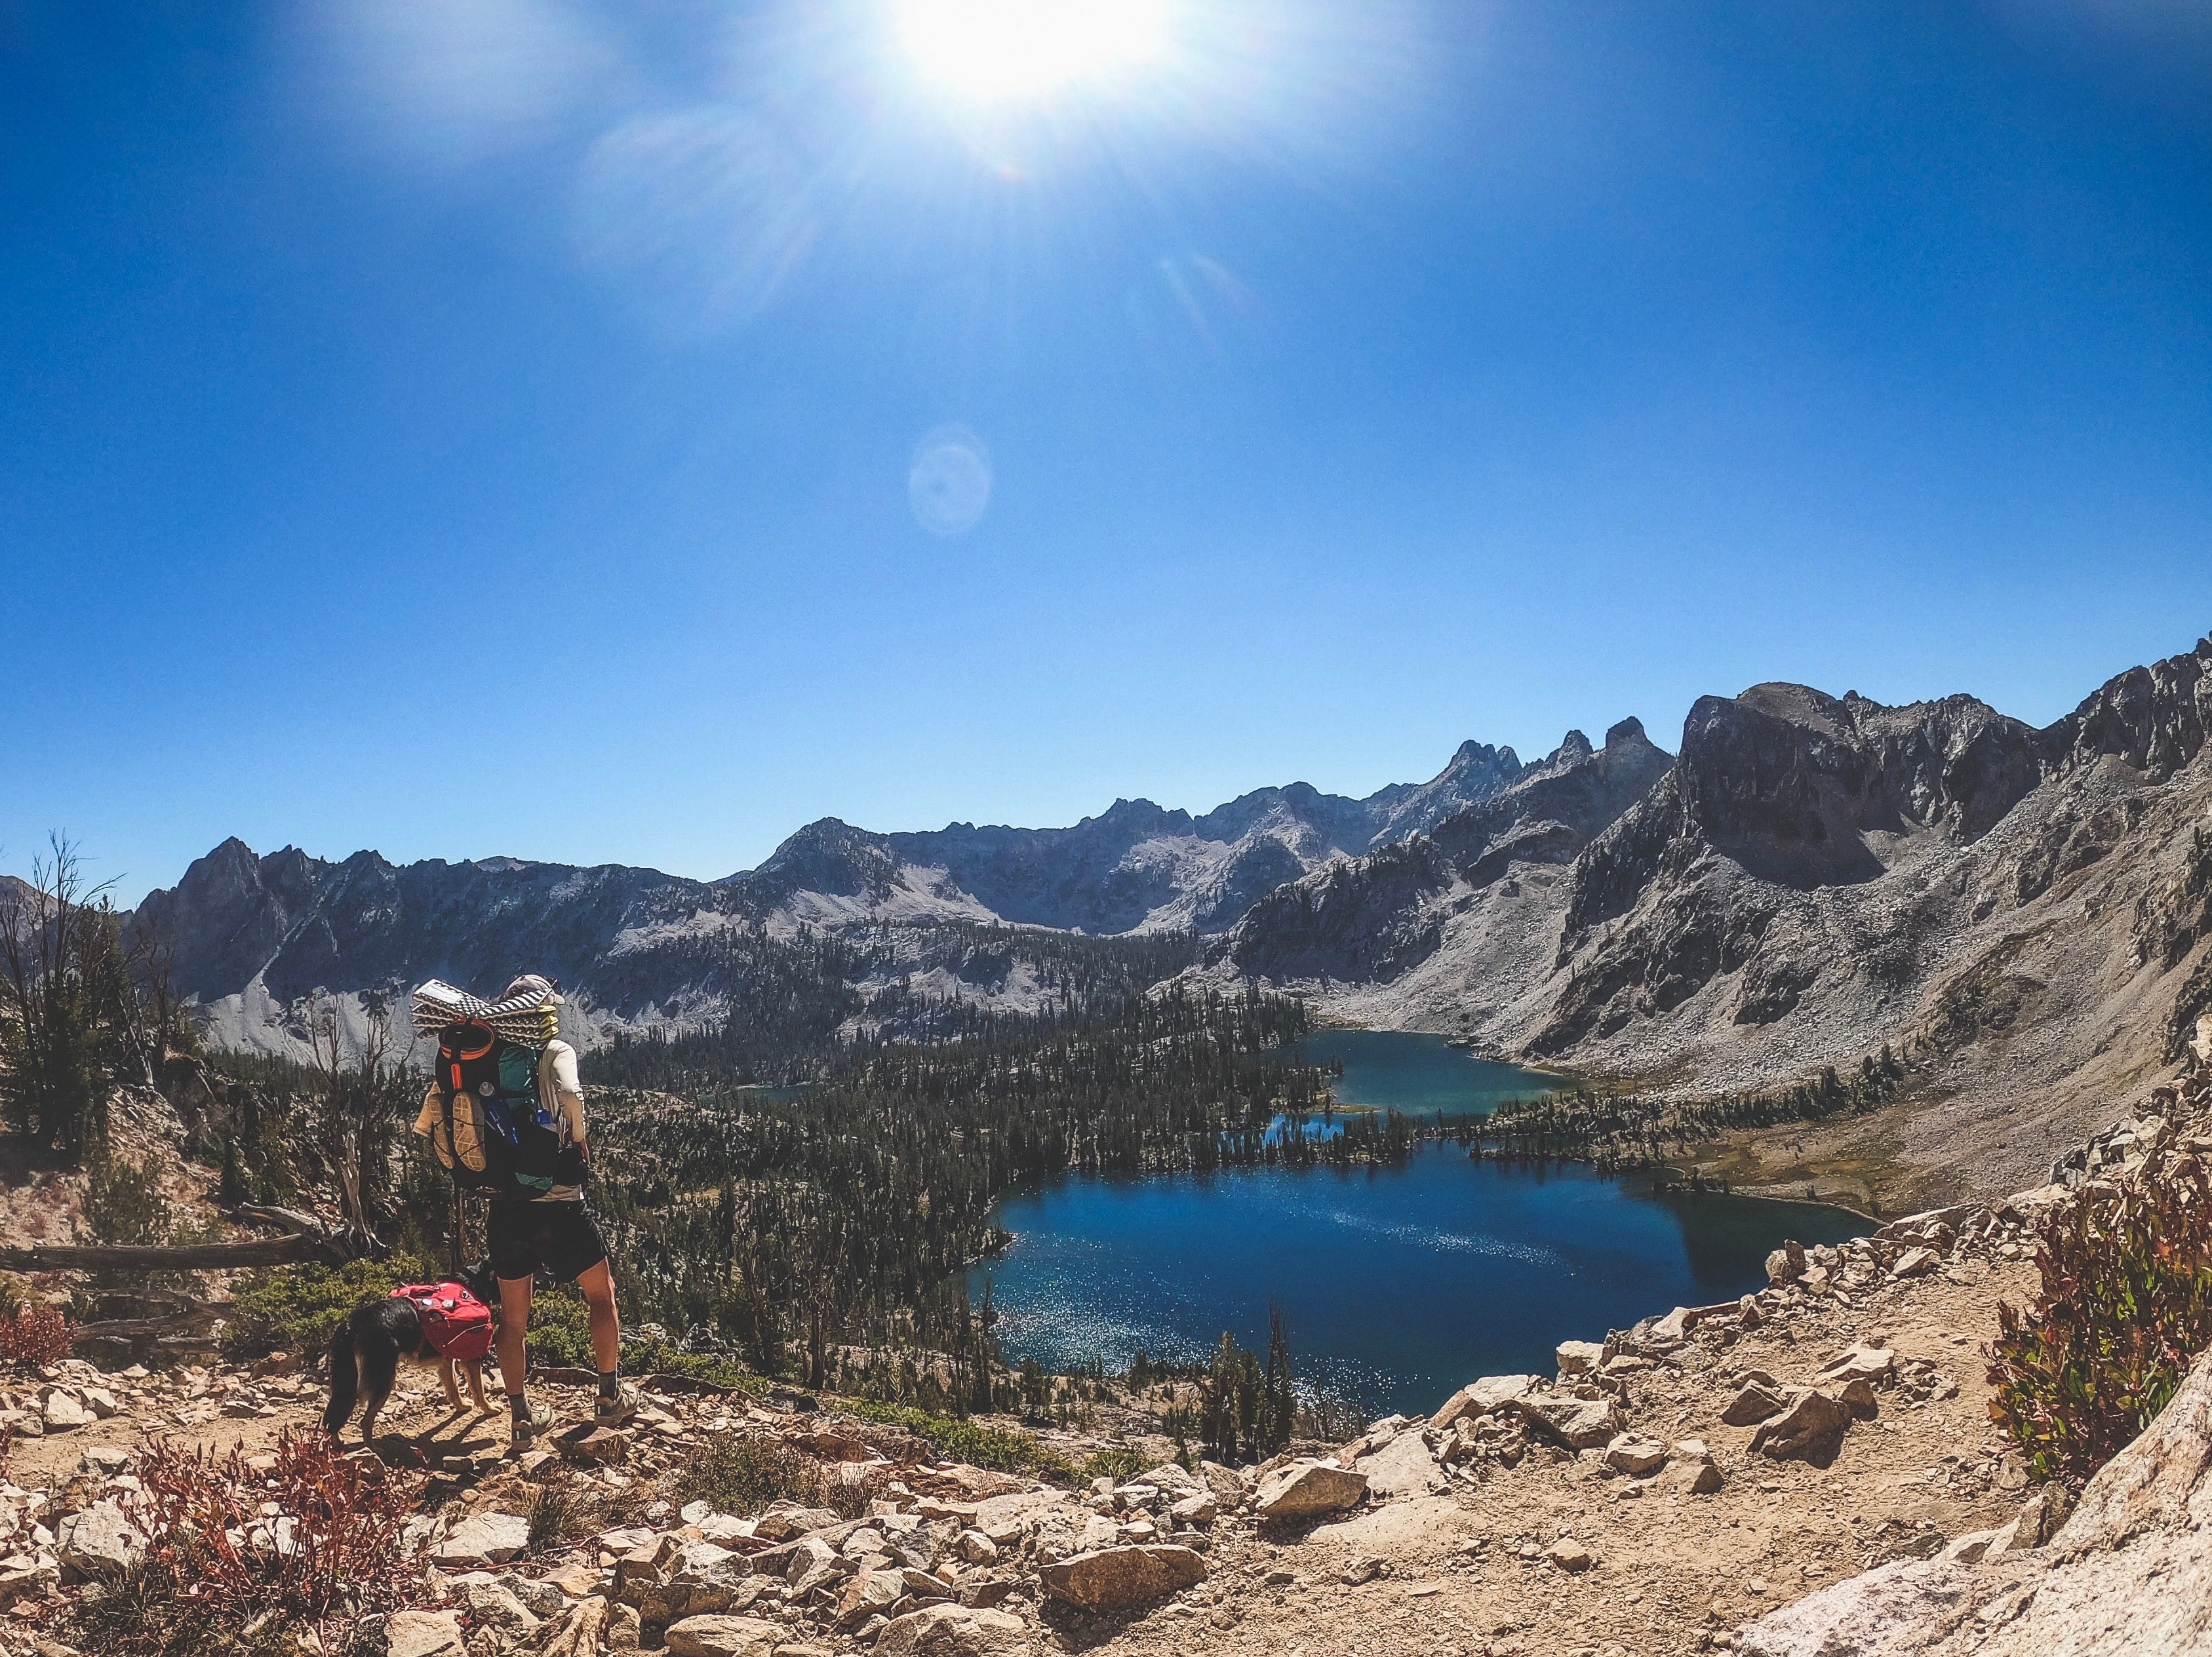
493, 1131
456, 1324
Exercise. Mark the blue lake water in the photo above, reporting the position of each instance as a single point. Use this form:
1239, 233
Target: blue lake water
1397, 1283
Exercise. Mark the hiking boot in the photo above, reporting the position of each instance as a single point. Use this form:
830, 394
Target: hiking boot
527, 1429
613, 1412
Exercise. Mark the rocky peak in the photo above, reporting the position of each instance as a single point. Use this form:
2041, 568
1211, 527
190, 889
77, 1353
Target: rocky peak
2154, 718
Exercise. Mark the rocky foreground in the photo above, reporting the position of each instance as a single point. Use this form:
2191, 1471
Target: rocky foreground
1809, 1470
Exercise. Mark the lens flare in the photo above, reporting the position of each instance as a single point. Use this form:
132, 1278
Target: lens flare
948, 482
1001, 50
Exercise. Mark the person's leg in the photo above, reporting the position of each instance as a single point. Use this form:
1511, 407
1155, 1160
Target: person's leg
597, 1286
513, 1327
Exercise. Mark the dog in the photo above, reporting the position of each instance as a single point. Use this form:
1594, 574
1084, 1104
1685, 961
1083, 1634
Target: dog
366, 1350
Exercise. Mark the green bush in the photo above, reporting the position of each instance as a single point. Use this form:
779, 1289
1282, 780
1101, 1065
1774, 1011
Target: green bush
742, 1474
294, 1309
2125, 1307
560, 1335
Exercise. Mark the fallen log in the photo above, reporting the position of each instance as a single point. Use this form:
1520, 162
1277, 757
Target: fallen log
196, 1322
172, 1257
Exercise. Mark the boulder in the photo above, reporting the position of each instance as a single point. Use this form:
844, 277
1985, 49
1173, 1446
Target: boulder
1916, 1263
1483, 1396
1753, 1405
1580, 1423
62, 1412
1403, 1467
1785, 1265
1690, 1468
1811, 1425
1111, 1579
483, 1538
1199, 1510
1579, 1357
99, 1543
978, 1549
1635, 1455
1307, 1489
869, 1593
717, 1636
1887, 1611
1569, 1556
953, 1631
424, 1634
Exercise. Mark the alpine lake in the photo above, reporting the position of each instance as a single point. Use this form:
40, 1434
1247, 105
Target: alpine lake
1397, 1283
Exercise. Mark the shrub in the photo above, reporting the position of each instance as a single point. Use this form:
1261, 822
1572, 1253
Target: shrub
561, 1333
2126, 1307
224, 1574
1120, 1466
294, 1309
744, 1473
34, 1335
125, 1203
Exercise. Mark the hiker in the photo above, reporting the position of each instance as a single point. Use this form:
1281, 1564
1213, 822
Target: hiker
533, 1163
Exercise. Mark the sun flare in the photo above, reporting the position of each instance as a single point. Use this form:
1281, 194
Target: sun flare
1001, 50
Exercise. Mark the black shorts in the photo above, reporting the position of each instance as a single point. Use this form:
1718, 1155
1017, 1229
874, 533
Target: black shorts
562, 1240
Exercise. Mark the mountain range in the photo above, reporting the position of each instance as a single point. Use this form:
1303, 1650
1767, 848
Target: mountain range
2020, 913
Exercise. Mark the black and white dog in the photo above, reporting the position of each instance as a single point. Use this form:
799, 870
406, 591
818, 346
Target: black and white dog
366, 1350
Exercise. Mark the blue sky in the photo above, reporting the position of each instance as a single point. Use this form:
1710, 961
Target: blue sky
493, 426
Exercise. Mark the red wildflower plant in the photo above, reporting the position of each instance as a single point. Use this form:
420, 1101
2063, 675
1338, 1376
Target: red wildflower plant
34, 1335
243, 1559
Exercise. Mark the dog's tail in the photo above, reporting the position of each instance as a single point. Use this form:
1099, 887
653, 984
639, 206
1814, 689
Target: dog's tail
345, 1380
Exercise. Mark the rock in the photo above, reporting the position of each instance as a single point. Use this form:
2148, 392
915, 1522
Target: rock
1404, 1467
1753, 1405
723, 1637
1111, 1579
483, 1538
596, 1446
1882, 1612
1307, 1488
1483, 1396
2035, 1524
580, 1631
1868, 1364
424, 1634
490, 1605
1810, 1426
953, 1631
1785, 1265
63, 1414
544, 1598
1580, 1423
1916, 1263
870, 1594
1200, 1509
99, 1543
1228, 1486
1635, 1455
1579, 1357
1568, 1555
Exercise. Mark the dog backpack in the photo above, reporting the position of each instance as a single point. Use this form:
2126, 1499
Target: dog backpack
456, 1324
493, 1131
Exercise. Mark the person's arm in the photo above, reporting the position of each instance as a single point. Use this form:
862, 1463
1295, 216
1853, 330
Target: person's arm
568, 1094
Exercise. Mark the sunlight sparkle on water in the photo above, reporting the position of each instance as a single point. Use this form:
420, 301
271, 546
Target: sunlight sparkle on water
1009, 49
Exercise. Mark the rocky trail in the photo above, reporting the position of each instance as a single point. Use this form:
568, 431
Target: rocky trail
1755, 1476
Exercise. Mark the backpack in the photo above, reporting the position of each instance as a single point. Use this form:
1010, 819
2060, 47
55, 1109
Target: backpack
493, 1131
456, 1324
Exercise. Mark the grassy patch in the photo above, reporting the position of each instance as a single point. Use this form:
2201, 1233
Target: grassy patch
561, 1334
1120, 1466
1007, 1449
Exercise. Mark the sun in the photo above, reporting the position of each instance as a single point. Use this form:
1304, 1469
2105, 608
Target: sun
998, 51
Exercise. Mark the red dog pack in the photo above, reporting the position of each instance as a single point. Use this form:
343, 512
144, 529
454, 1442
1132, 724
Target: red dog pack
456, 1324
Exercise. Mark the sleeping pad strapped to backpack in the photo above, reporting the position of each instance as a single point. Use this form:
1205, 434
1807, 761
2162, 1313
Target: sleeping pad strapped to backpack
456, 1324
494, 1132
